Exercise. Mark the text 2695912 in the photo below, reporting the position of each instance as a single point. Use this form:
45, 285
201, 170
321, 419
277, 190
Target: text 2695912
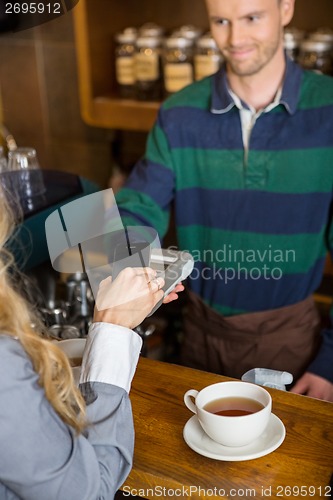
33, 8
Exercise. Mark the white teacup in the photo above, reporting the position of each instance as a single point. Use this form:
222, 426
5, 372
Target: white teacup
231, 429
73, 348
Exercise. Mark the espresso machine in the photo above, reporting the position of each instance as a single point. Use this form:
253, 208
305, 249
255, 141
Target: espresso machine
59, 300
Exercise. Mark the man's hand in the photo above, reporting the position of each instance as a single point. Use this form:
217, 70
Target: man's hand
314, 386
173, 295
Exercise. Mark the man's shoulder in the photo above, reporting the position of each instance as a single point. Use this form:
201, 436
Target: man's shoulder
316, 90
196, 95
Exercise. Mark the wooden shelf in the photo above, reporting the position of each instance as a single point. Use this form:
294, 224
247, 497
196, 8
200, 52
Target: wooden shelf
97, 21
112, 112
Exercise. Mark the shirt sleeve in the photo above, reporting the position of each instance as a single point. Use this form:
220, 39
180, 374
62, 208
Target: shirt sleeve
322, 365
147, 195
41, 457
111, 355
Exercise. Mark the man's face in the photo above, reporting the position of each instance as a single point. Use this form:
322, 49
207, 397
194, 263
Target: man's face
249, 32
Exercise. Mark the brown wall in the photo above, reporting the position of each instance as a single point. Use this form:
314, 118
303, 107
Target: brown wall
39, 93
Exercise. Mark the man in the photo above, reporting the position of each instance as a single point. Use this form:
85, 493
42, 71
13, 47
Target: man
247, 158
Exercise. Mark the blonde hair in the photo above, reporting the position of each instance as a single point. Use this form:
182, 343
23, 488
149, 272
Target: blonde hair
19, 320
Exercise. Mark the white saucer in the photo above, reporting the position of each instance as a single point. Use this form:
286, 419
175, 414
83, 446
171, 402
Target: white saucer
197, 439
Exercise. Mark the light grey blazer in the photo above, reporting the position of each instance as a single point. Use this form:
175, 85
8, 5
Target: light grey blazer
40, 456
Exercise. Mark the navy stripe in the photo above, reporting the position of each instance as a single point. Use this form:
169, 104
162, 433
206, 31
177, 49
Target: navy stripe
247, 294
154, 180
307, 128
196, 128
253, 211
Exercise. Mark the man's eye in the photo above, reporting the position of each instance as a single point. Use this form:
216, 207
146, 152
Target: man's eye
221, 22
253, 19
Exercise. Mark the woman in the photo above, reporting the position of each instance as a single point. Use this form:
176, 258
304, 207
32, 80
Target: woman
58, 441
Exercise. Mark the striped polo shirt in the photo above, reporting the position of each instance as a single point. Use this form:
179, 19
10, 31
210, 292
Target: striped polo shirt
259, 225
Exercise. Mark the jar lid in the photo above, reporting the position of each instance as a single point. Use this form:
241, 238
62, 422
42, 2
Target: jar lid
131, 30
290, 43
311, 45
148, 41
176, 41
125, 37
321, 36
151, 29
190, 31
206, 42
291, 33
324, 29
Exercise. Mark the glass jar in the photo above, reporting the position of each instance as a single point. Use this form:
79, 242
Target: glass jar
294, 33
124, 62
190, 32
291, 47
316, 56
130, 30
148, 68
178, 63
208, 58
151, 29
323, 35
292, 40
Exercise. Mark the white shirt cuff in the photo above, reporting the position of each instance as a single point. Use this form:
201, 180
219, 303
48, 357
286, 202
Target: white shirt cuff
110, 355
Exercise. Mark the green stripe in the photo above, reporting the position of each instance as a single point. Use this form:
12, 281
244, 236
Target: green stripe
316, 91
218, 169
158, 150
198, 95
226, 311
142, 206
297, 171
307, 171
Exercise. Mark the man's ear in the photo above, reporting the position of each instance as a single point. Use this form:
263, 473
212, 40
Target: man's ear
287, 8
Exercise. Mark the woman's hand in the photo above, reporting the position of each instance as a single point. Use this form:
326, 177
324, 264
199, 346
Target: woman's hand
130, 298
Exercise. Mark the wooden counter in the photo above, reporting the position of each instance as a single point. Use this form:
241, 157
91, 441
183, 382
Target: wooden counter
163, 461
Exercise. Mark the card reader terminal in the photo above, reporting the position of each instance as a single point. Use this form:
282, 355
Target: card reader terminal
174, 266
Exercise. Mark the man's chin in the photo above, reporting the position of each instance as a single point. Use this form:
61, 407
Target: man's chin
243, 69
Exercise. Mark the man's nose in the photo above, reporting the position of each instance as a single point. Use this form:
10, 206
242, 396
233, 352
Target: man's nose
236, 35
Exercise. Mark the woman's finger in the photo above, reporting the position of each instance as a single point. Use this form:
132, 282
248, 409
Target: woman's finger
146, 271
156, 284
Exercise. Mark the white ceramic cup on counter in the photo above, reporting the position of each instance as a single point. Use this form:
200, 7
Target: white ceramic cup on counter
231, 413
73, 348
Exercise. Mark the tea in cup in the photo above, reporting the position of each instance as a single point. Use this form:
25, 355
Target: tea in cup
231, 413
